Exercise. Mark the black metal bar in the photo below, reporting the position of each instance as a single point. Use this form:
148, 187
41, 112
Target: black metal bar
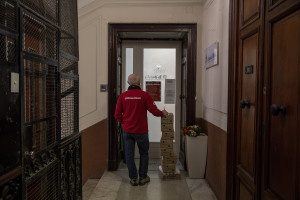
68, 56
38, 58
69, 68
22, 93
8, 32
69, 76
68, 92
40, 120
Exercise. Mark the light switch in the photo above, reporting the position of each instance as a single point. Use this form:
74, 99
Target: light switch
103, 88
14, 82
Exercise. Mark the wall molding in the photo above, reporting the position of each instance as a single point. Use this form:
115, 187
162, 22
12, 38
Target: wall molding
95, 5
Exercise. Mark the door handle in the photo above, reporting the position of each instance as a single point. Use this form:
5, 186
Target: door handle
276, 110
244, 104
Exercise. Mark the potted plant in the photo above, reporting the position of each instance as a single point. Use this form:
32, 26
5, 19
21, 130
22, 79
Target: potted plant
195, 150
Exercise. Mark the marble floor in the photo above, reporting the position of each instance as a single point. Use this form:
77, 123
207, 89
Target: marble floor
114, 185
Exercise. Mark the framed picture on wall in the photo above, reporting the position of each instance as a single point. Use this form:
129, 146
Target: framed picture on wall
212, 55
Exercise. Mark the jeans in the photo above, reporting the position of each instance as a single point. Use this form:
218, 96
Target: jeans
143, 145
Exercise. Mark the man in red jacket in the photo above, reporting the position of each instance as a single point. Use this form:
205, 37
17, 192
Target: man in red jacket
131, 112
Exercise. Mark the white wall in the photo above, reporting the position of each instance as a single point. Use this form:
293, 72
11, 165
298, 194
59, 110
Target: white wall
93, 45
215, 79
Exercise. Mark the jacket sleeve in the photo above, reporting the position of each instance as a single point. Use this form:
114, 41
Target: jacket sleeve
119, 110
152, 107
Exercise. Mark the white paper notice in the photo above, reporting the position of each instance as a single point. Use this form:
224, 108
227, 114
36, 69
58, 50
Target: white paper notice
170, 91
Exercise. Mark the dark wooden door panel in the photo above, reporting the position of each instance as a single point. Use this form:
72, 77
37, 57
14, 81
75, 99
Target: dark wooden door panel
283, 139
249, 11
244, 193
249, 85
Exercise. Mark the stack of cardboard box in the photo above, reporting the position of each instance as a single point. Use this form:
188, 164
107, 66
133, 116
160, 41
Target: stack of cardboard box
168, 159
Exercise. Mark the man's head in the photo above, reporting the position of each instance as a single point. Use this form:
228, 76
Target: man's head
133, 79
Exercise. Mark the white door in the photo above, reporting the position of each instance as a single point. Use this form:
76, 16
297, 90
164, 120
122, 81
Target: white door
159, 65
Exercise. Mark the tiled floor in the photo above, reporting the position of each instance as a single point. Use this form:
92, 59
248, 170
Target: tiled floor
115, 186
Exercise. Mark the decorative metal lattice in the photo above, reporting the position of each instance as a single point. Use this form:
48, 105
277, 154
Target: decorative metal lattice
8, 14
43, 186
71, 171
38, 37
11, 190
46, 8
40, 88
69, 107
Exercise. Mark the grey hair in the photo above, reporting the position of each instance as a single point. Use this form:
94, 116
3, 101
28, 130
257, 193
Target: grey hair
134, 79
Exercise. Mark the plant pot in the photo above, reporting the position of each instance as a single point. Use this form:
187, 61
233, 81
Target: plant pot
196, 152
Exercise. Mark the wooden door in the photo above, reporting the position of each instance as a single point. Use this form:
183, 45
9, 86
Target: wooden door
247, 99
281, 111
263, 130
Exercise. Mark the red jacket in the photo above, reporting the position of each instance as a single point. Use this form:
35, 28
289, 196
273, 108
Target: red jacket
131, 110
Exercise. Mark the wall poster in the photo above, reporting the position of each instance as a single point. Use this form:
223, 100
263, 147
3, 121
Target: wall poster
154, 89
211, 55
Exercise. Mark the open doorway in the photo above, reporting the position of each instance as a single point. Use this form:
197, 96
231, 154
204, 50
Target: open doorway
159, 65
185, 35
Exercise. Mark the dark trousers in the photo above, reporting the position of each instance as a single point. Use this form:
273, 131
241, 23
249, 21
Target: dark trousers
143, 145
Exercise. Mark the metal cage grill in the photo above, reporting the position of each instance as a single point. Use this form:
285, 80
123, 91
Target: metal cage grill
8, 49
40, 90
68, 44
69, 107
44, 186
46, 8
8, 14
39, 38
68, 15
68, 66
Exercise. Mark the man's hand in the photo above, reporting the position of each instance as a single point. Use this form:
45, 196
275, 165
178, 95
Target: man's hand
165, 112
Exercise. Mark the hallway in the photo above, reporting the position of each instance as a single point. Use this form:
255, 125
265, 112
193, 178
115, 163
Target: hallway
114, 185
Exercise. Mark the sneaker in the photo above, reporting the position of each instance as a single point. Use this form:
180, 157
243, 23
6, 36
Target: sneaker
134, 182
143, 181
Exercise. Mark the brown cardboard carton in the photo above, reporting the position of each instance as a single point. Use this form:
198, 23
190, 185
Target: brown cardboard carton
166, 145
166, 153
167, 119
167, 136
167, 128
166, 142
168, 159
169, 168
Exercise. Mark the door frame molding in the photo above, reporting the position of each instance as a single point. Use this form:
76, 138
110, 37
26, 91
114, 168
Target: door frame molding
114, 31
232, 101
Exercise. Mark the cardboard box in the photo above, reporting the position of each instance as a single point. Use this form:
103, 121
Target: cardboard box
167, 136
167, 128
167, 119
166, 142
168, 168
166, 150
167, 153
168, 159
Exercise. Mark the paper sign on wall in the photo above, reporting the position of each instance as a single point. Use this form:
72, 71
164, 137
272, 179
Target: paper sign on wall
154, 89
170, 91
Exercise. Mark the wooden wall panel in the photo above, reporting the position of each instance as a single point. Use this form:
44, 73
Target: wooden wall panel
216, 157
244, 193
94, 151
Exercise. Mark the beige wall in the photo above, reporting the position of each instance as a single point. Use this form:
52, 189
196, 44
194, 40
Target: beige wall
215, 79
93, 45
